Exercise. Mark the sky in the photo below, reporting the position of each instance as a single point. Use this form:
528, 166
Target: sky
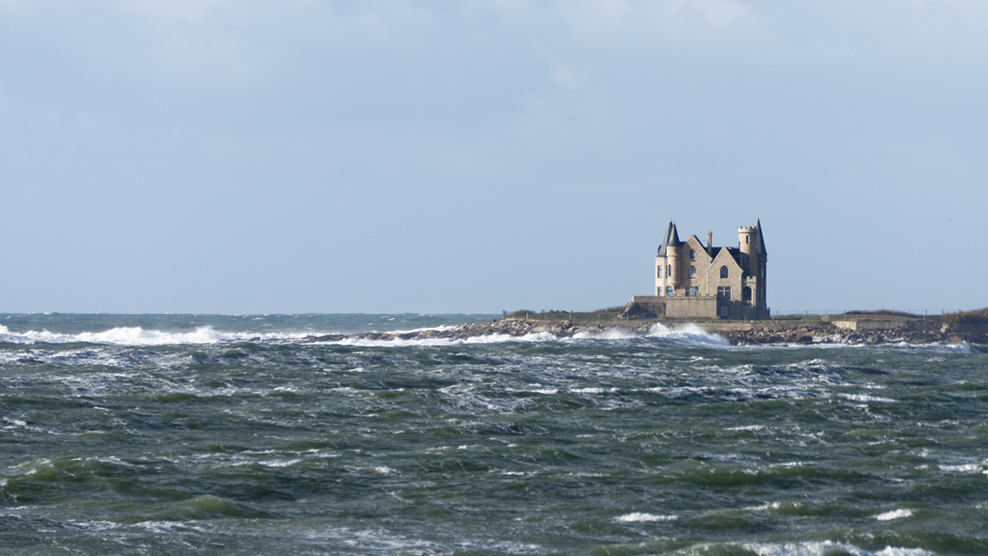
474, 156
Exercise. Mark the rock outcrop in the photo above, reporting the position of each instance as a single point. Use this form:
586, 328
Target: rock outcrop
805, 332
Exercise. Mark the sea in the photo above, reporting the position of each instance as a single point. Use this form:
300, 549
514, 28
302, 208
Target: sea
233, 435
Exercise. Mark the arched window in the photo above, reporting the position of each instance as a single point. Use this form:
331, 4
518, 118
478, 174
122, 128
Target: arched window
723, 272
692, 272
746, 295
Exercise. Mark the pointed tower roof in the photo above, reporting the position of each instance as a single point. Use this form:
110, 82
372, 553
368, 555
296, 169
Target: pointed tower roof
761, 238
670, 240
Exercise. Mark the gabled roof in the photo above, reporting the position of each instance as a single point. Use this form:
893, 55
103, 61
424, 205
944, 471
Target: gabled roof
671, 239
733, 253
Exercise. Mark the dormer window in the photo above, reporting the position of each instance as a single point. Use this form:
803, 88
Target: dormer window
724, 272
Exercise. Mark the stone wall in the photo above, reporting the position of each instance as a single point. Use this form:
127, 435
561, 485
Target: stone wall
679, 307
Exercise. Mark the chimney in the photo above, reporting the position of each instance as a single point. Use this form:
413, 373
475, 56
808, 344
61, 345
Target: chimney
710, 244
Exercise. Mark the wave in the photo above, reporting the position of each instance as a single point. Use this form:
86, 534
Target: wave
644, 517
689, 333
796, 548
828, 547
134, 336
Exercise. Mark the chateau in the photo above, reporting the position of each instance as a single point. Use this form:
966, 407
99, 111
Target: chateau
693, 281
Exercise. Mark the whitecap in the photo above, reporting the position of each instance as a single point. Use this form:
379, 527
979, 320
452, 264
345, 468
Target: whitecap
639, 517
279, 463
894, 514
866, 398
689, 333
765, 507
92, 525
134, 336
827, 547
966, 468
168, 526
445, 342
614, 333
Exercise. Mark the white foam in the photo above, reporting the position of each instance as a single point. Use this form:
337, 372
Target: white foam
133, 336
866, 398
614, 333
444, 342
894, 514
690, 333
638, 517
966, 468
765, 507
168, 526
828, 547
279, 463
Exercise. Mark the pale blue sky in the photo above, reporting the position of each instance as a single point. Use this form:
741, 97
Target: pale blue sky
237, 156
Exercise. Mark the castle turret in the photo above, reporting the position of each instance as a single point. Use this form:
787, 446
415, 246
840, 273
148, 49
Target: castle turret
750, 244
667, 261
672, 255
747, 238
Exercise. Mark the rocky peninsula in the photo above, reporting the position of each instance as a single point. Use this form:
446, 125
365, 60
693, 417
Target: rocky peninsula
810, 330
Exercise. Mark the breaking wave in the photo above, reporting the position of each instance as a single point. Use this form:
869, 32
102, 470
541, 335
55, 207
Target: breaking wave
132, 336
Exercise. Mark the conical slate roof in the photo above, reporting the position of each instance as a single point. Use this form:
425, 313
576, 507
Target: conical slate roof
670, 240
761, 237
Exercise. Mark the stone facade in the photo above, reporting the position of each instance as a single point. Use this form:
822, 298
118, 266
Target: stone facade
697, 281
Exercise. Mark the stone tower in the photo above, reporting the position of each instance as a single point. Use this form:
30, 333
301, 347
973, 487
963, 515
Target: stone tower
753, 261
667, 262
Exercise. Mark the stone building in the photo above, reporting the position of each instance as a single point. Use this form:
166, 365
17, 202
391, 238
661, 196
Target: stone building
697, 281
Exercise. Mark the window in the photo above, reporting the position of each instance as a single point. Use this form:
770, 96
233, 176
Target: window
692, 254
669, 291
723, 311
669, 270
658, 272
692, 273
692, 291
724, 292
724, 273
658, 291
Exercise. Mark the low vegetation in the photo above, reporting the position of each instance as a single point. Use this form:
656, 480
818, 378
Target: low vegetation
961, 319
609, 313
885, 313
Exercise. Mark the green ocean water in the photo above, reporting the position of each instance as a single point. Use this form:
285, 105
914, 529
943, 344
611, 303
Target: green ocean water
182, 434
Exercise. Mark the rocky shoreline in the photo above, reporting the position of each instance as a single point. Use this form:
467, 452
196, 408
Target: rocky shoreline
736, 333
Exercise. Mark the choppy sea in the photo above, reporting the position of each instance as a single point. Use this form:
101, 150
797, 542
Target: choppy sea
191, 434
